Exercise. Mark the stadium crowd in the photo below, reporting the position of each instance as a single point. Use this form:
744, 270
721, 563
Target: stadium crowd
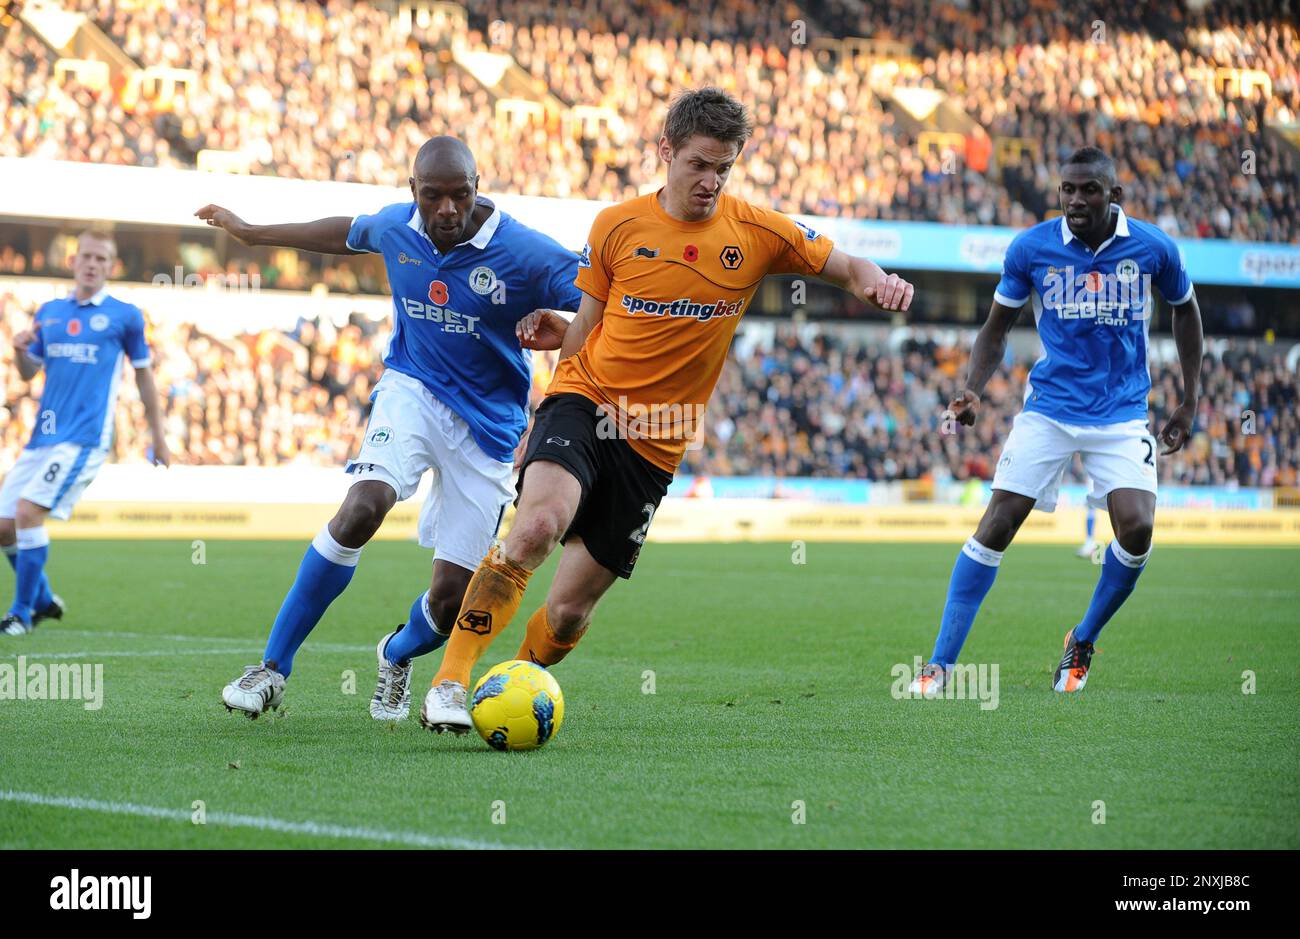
830, 406
334, 90
842, 408
264, 399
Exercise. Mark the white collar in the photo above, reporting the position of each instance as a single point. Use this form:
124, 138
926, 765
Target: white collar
1121, 227
97, 300
481, 237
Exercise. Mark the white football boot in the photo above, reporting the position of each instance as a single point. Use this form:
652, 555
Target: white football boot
444, 709
13, 625
392, 698
930, 682
253, 692
1087, 549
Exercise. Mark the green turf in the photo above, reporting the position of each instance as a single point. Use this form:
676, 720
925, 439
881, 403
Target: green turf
773, 685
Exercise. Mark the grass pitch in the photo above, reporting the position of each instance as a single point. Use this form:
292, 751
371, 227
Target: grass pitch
772, 705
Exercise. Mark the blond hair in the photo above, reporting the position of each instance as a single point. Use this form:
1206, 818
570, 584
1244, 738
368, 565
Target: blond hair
99, 234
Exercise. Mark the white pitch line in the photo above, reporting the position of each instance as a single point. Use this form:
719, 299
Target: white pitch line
262, 823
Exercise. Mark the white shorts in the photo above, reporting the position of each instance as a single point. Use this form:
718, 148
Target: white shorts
1038, 451
53, 477
411, 431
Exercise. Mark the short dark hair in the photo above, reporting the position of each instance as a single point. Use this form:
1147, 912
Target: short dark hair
709, 112
1098, 159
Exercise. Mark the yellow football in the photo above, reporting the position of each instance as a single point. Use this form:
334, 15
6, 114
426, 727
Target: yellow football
517, 706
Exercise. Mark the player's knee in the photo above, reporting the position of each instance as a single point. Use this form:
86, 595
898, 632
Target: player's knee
8, 533
536, 533
1134, 534
996, 531
567, 618
29, 515
444, 603
361, 515
357, 525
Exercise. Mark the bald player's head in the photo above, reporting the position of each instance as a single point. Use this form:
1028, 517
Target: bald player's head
444, 154
444, 184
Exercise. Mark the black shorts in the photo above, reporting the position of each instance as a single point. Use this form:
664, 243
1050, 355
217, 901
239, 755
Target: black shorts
620, 488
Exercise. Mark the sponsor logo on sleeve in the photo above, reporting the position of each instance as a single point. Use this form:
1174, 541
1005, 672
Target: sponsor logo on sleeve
584, 260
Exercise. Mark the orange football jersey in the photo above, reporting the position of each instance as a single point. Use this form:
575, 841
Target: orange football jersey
674, 293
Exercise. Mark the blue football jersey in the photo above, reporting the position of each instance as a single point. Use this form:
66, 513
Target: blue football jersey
82, 346
455, 313
1093, 312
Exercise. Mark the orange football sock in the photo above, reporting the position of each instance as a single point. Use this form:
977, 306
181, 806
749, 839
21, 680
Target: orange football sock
491, 601
540, 645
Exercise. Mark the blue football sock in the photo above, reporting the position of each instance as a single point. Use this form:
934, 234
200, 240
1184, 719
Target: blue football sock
1091, 523
1119, 575
326, 569
418, 637
33, 552
972, 576
44, 597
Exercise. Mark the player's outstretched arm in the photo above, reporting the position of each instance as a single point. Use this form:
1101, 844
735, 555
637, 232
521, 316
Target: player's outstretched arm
324, 236
990, 346
153, 413
1190, 341
866, 280
590, 312
27, 366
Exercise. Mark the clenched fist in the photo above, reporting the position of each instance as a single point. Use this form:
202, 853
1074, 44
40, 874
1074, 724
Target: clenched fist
965, 407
